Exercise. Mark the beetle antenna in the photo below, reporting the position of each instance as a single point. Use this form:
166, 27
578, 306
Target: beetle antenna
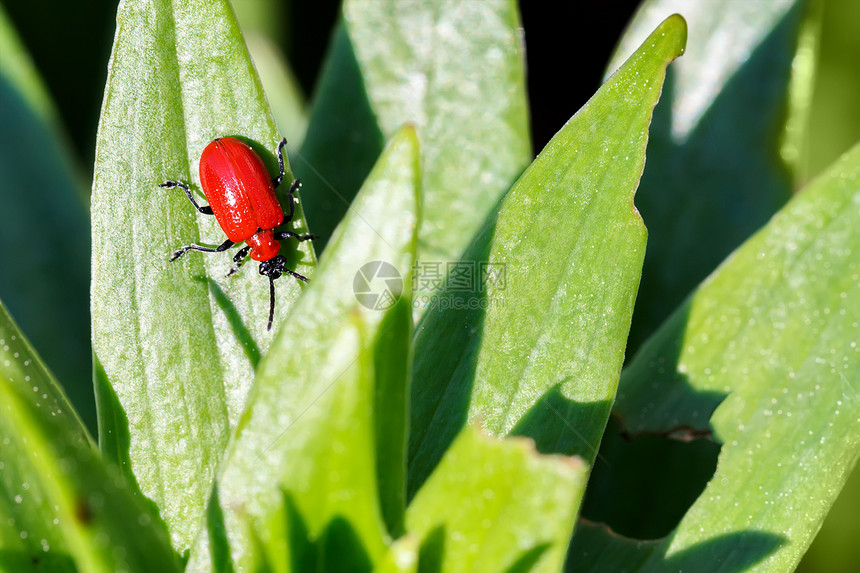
272, 302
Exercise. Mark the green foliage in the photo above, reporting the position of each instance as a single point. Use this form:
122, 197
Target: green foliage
178, 342
455, 70
62, 508
308, 435
714, 173
45, 274
513, 512
371, 431
764, 356
539, 350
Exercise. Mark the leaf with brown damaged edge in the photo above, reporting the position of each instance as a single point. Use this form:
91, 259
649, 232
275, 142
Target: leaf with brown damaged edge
766, 350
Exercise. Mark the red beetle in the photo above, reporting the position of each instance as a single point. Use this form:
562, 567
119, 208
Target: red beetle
242, 197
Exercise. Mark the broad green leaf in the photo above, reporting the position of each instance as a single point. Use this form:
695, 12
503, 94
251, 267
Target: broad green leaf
308, 456
714, 173
43, 226
765, 354
177, 342
535, 347
61, 508
496, 505
455, 70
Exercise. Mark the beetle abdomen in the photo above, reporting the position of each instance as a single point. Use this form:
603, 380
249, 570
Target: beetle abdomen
239, 189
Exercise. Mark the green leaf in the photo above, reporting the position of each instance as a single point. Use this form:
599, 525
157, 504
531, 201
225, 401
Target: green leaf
714, 174
343, 140
648, 504
402, 557
496, 505
282, 89
21, 77
264, 19
61, 508
797, 136
43, 226
537, 348
454, 69
596, 548
835, 546
262, 24
307, 459
834, 121
178, 342
764, 354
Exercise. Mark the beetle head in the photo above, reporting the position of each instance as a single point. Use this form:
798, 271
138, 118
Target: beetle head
274, 267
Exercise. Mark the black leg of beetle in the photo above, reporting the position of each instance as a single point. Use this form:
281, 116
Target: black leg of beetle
239, 258
280, 178
206, 209
302, 278
281, 235
222, 247
293, 188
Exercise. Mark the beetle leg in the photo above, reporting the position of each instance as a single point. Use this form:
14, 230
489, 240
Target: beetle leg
239, 258
222, 247
206, 209
302, 278
281, 235
280, 178
293, 188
